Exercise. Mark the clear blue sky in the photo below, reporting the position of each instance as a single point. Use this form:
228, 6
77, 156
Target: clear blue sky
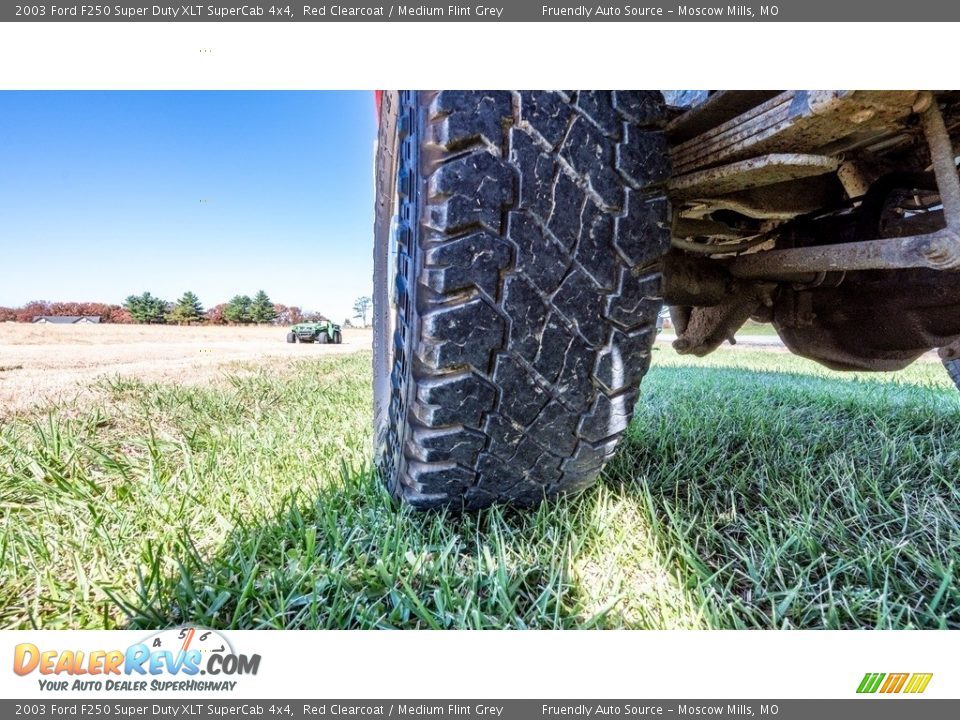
108, 194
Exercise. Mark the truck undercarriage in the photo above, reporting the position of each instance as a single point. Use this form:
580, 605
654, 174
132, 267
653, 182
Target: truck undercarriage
526, 242
833, 215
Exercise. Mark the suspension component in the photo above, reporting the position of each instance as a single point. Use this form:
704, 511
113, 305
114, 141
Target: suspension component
939, 250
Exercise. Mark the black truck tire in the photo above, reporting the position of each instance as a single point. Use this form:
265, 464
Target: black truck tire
323, 338
953, 368
291, 337
516, 287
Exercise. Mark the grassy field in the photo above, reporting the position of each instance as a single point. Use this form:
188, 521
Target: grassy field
749, 328
58, 363
755, 328
754, 490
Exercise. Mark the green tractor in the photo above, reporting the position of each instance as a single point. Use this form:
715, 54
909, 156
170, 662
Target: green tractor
322, 332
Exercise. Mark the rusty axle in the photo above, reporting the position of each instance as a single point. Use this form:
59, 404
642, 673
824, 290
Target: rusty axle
938, 250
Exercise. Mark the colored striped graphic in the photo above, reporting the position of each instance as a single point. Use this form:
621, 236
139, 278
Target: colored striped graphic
914, 683
918, 682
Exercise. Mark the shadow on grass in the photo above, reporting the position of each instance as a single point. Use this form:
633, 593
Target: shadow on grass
737, 500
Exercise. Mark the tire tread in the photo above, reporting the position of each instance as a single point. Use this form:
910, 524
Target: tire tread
535, 258
953, 369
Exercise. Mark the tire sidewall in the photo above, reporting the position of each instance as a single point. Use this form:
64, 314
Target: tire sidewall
385, 170
394, 329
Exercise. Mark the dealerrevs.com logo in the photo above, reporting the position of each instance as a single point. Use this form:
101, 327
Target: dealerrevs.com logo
170, 660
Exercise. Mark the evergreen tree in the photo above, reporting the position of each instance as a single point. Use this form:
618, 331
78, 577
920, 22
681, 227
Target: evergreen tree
146, 308
238, 309
187, 309
261, 309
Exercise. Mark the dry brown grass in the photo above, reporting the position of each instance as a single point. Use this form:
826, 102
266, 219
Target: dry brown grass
40, 364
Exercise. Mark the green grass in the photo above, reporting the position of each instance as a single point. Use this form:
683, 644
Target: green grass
754, 328
748, 328
768, 495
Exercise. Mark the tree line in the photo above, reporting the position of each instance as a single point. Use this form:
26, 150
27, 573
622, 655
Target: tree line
239, 310
187, 310
149, 309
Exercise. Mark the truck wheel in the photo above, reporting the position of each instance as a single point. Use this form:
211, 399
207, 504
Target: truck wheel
291, 337
322, 338
953, 368
517, 286
337, 337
